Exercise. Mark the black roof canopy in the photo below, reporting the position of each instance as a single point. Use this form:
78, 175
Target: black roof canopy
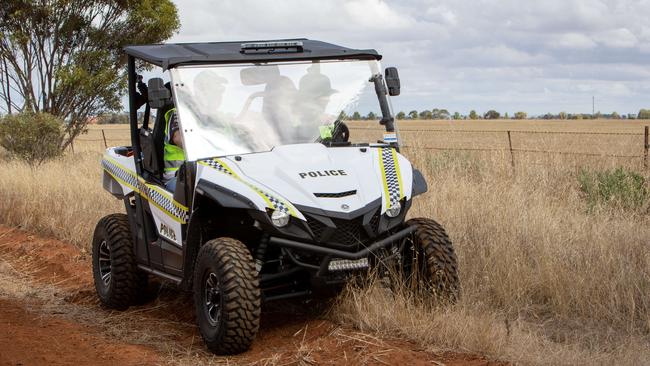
169, 55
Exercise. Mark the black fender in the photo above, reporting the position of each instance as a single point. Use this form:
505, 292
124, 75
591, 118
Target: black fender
419, 183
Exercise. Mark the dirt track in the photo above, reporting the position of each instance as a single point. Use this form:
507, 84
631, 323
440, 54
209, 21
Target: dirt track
49, 315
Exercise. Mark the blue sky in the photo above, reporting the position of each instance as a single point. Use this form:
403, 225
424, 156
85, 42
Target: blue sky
534, 56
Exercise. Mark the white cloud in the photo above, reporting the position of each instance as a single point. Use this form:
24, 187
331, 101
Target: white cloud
465, 54
573, 41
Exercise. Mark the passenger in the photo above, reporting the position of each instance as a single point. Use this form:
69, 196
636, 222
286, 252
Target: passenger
174, 155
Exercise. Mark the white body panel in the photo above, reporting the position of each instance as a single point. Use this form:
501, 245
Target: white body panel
288, 173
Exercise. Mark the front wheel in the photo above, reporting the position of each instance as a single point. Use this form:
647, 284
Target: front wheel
227, 297
429, 263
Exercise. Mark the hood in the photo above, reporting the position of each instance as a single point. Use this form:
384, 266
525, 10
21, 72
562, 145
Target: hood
335, 179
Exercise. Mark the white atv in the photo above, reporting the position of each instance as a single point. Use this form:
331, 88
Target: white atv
277, 198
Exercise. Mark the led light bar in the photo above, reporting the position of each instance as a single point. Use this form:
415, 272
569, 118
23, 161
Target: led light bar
347, 264
268, 45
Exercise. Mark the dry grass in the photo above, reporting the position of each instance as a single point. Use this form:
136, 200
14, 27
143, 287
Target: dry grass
545, 281
63, 198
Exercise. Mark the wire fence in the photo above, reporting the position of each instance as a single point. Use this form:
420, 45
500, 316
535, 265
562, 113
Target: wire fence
105, 137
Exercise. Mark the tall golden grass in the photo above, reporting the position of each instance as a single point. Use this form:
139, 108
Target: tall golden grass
544, 279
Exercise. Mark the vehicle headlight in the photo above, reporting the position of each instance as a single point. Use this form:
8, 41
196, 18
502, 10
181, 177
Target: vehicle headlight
280, 218
393, 211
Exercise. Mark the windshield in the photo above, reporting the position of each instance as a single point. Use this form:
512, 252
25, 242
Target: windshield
239, 109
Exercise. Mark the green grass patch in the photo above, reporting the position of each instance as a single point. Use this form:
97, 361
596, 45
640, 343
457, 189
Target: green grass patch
619, 188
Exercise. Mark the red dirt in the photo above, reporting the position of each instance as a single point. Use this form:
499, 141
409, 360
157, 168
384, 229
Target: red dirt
28, 339
287, 335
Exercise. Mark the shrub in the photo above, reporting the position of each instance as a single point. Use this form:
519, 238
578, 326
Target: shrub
32, 137
619, 188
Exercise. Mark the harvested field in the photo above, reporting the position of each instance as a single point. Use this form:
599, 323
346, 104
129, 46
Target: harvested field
546, 278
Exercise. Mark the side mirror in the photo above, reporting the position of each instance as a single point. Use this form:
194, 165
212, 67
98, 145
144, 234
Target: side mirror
159, 96
392, 81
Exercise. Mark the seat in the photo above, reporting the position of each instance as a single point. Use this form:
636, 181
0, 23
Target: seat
153, 140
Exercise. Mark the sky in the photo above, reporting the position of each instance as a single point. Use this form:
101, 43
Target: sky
509, 55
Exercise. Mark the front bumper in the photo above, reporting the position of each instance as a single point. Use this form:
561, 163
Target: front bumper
330, 254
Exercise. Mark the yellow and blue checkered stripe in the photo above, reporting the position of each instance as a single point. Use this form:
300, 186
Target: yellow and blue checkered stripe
272, 201
152, 193
391, 176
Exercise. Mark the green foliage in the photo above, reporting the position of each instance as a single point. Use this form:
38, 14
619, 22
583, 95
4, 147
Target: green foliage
457, 116
425, 115
491, 114
371, 116
562, 115
439, 113
401, 115
643, 114
473, 114
619, 188
413, 114
32, 137
520, 115
65, 57
356, 116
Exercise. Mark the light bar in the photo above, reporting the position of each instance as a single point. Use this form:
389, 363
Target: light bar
347, 264
267, 45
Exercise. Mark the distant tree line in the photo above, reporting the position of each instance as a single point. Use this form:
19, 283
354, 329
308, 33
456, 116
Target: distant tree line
437, 113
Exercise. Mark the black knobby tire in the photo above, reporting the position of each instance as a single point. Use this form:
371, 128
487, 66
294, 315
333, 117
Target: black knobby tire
113, 254
430, 251
226, 265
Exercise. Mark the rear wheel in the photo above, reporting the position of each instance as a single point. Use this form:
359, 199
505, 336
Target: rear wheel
227, 296
118, 281
429, 263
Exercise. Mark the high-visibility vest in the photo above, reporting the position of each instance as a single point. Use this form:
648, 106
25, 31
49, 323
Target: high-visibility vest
174, 156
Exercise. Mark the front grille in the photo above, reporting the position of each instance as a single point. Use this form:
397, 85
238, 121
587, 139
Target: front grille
349, 232
336, 195
344, 232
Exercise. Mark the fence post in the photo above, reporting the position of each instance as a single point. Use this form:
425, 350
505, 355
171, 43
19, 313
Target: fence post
646, 145
512, 154
104, 137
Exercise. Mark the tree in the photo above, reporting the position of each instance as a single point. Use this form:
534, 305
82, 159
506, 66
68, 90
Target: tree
457, 115
491, 114
64, 57
32, 137
401, 115
473, 114
413, 114
643, 114
426, 114
520, 115
506, 116
356, 116
342, 116
615, 115
443, 114
371, 116
562, 115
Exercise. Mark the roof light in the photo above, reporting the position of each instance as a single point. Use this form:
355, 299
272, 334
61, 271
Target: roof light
279, 44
